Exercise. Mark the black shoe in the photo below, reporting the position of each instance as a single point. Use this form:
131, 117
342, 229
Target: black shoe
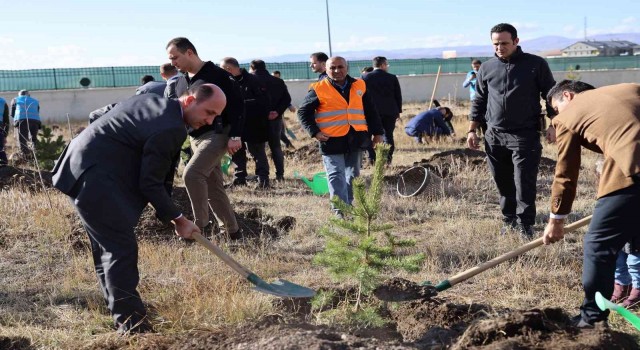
279, 178
263, 185
236, 236
239, 182
579, 322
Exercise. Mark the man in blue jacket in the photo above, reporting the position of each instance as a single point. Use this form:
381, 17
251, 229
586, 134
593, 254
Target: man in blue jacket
508, 92
25, 111
434, 122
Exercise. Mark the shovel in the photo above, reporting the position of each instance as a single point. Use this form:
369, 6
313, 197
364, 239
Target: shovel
280, 288
390, 293
604, 304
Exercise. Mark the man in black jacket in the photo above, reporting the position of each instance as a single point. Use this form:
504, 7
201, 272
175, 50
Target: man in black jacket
256, 131
279, 101
203, 174
508, 92
386, 94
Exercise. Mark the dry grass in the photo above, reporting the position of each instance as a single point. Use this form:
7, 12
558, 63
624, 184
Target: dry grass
49, 294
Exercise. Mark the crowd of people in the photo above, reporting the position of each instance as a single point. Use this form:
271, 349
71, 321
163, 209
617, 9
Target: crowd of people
127, 156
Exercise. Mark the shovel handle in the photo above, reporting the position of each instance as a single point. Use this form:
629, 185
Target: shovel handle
243, 271
512, 254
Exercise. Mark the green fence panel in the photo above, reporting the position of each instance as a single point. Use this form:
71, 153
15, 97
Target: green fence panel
102, 77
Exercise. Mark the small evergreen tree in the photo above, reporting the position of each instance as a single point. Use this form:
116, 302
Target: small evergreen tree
358, 247
48, 149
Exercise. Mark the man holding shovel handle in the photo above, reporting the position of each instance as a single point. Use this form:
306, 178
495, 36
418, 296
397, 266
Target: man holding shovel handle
605, 120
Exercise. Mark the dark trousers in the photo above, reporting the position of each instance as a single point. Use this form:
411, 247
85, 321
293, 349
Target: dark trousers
27, 128
614, 222
275, 130
284, 138
389, 125
109, 213
259, 154
513, 159
3, 154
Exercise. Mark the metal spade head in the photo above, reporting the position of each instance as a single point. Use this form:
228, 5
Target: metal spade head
281, 288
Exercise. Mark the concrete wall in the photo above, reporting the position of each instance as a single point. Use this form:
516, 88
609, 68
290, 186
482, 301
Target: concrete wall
55, 104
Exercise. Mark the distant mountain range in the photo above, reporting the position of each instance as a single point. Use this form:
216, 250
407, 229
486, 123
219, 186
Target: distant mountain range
546, 45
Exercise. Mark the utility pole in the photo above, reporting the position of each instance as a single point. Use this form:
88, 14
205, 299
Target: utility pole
585, 28
328, 27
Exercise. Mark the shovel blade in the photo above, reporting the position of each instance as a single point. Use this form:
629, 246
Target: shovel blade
281, 288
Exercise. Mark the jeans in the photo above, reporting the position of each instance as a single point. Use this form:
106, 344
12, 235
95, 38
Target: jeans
275, 130
341, 170
614, 222
513, 159
628, 269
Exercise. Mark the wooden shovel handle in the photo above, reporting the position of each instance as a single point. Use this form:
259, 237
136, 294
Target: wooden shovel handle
243, 271
435, 87
512, 254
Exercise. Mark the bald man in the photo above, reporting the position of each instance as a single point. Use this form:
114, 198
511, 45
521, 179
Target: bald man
114, 168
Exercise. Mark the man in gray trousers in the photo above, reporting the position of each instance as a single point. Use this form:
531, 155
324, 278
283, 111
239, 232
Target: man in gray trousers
116, 166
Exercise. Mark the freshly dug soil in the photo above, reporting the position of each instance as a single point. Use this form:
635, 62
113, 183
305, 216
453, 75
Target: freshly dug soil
13, 177
303, 153
15, 343
539, 329
253, 223
450, 162
399, 289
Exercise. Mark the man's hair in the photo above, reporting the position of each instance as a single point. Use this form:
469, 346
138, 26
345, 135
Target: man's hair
146, 78
182, 44
505, 27
476, 61
448, 115
167, 69
202, 92
231, 61
574, 86
367, 69
258, 65
320, 56
378, 61
276, 72
23, 93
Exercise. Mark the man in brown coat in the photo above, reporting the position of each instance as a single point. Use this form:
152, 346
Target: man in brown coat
607, 121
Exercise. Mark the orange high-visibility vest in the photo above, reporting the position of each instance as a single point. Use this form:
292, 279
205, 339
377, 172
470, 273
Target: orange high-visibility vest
334, 116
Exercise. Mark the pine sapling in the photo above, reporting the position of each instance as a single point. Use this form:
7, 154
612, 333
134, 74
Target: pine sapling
358, 247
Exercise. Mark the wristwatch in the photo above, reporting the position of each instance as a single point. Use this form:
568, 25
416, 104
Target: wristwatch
234, 138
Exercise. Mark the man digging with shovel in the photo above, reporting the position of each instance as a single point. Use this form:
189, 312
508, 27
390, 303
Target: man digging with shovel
116, 166
605, 120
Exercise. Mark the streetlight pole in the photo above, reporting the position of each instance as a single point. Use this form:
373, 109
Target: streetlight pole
328, 27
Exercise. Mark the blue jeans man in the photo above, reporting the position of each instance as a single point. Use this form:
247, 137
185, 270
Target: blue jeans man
341, 170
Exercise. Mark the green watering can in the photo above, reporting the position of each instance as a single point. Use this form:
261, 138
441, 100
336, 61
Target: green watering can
225, 163
604, 304
319, 184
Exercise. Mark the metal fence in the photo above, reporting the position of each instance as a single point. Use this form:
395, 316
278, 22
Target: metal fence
69, 78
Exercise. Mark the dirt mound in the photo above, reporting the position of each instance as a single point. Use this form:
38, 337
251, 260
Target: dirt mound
304, 152
399, 289
539, 329
435, 322
272, 333
453, 161
12, 177
15, 343
253, 222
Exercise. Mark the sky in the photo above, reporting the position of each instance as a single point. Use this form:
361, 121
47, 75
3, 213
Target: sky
93, 33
